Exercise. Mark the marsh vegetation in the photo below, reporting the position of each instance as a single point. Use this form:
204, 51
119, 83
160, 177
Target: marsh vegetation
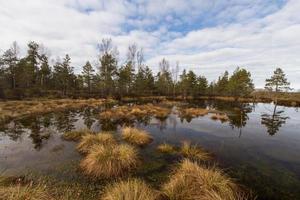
140, 152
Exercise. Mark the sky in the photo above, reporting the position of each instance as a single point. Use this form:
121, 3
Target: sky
207, 36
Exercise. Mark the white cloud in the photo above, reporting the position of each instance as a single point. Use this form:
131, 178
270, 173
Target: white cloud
207, 36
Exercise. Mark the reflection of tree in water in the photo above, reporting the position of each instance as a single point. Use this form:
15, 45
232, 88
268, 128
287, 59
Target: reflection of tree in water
64, 121
13, 130
273, 121
112, 124
37, 126
162, 123
239, 117
88, 117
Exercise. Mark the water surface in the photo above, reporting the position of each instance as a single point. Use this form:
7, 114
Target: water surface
259, 145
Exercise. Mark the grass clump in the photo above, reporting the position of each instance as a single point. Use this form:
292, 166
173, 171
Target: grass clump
133, 189
194, 112
25, 192
136, 136
193, 152
166, 148
75, 135
192, 181
90, 140
109, 161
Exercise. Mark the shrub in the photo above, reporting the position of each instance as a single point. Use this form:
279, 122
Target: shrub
136, 136
89, 140
109, 161
134, 189
191, 181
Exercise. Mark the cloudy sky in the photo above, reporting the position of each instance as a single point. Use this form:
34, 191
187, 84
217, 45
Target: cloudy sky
208, 36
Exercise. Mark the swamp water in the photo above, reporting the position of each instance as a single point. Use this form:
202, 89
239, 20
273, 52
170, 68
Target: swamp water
259, 145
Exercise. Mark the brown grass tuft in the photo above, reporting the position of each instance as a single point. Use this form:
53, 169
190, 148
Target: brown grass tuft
191, 181
193, 152
193, 112
27, 192
166, 148
109, 161
90, 140
75, 135
134, 189
136, 136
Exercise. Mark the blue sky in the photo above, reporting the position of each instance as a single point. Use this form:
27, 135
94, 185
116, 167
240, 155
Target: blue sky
208, 36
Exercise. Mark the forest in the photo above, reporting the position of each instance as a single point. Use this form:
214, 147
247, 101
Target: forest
34, 76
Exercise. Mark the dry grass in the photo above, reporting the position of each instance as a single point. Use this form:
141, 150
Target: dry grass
75, 135
135, 111
109, 161
220, 116
166, 148
16, 109
89, 140
193, 182
134, 189
136, 136
193, 152
26, 192
193, 112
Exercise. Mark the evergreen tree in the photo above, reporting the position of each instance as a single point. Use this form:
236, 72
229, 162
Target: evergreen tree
144, 81
64, 75
87, 75
278, 82
108, 66
125, 79
202, 85
45, 71
240, 83
221, 86
32, 61
164, 80
9, 62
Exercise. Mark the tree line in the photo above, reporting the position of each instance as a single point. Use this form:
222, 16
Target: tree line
34, 76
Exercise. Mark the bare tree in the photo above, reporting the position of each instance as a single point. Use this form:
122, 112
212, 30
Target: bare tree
164, 66
131, 54
140, 57
175, 72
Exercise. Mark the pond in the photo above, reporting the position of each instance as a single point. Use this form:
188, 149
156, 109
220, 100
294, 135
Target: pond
259, 145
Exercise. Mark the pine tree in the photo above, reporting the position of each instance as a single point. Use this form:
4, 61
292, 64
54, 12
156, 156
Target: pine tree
240, 83
10, 60
64, 75
164, 80
45, 71
108, 66
278, 82
87, 75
